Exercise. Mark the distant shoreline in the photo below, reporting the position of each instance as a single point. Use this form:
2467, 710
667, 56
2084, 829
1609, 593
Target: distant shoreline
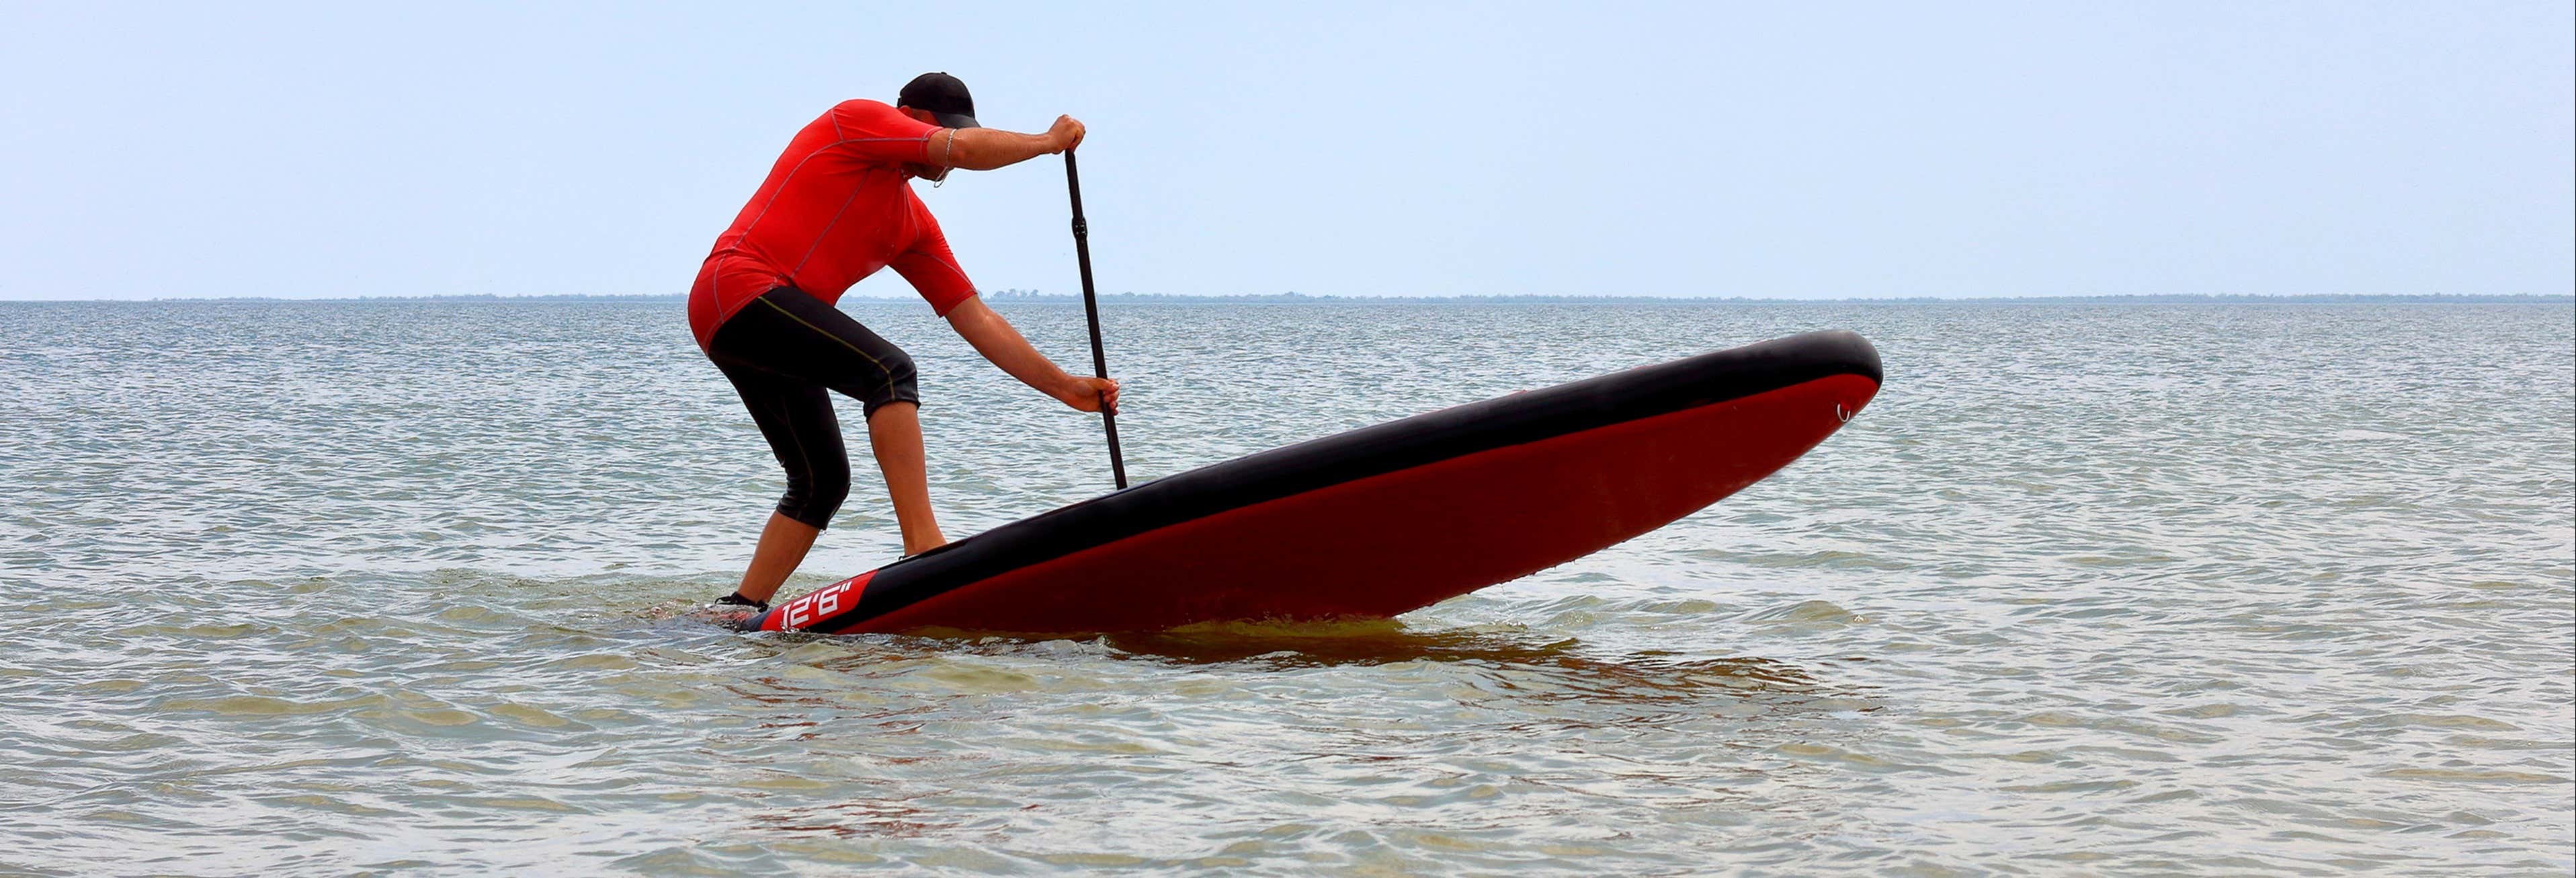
1025, 297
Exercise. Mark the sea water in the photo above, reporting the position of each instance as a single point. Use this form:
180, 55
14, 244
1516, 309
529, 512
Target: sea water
2205, 589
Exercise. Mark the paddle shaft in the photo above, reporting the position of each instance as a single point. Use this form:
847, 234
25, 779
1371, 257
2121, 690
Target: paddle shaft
1091, 311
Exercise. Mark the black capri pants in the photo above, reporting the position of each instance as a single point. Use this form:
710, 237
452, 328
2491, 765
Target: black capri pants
786, 352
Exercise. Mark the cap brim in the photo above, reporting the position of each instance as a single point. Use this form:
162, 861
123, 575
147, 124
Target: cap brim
956, 120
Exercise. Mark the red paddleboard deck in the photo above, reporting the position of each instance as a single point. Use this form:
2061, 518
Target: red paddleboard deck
1382, 520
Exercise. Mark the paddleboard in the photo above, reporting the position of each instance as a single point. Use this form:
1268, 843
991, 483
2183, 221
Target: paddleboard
1382, 520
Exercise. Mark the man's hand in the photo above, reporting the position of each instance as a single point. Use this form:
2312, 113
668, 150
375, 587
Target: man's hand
1087, 394
1066, 134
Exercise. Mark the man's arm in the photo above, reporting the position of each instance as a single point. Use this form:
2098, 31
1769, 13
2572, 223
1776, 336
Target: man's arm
983, 149
994, 337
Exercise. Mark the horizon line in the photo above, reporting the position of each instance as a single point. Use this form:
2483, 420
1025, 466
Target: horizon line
1018, 296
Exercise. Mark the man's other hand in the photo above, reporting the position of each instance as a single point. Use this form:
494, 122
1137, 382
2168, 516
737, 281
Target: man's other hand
1086, 394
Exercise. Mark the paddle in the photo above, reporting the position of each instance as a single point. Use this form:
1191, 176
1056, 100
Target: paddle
1091, 310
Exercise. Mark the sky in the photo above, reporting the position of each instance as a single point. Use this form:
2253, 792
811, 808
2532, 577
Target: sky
1692, 149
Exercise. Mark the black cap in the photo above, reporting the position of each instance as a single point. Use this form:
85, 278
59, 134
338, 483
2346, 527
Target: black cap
943, 96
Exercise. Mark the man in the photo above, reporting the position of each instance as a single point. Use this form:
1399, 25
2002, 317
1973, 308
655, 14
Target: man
836, 207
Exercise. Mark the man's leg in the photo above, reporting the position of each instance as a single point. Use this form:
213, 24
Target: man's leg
894, 433
783, 545
851, 359
803, 346
797, 421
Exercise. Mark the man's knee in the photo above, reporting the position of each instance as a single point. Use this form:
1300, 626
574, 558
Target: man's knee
899, 369
813, 497
900, 384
